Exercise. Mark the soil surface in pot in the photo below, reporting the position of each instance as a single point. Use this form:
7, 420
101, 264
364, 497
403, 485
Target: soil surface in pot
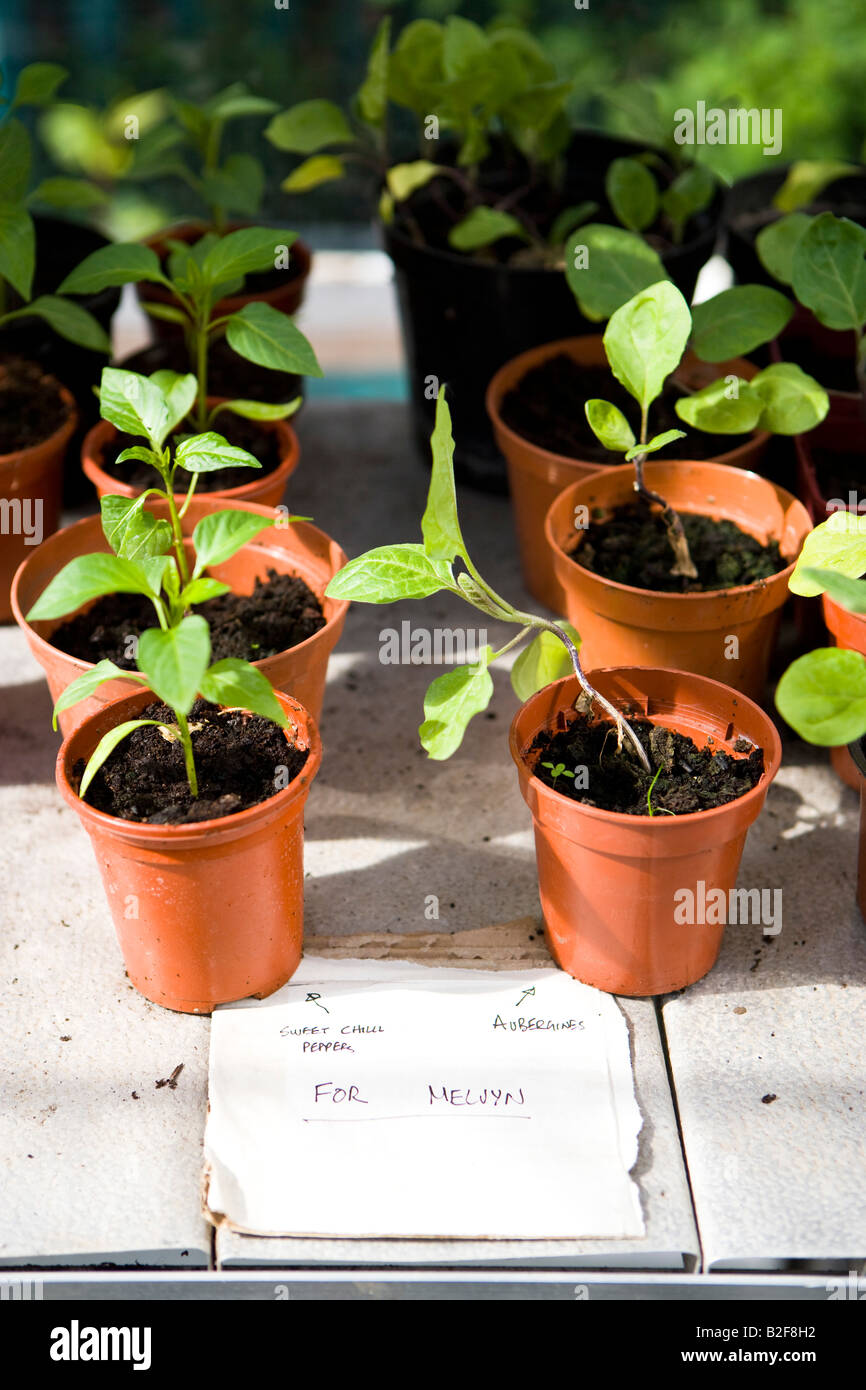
238, 759
280, 612
31, 406
631, 546
689, 778
547, 408
243, 434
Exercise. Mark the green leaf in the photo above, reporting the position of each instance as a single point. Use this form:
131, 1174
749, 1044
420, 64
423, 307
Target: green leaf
243, 253
68, 193
320, 168
405, 179
107, 745
175, 661
71, 322
823, 696
837, 544
451, 701
167, 312
689, 193
777, 243
652, 446
373, 92
609, 426
14, 161
850, 593
717, 409
259, 410
121, 264
237, 186
473, 592
37, 84
263, 335
482, 226
87, 577
440, 524
806, 180
203, 589
792, 402
141, 454
830, 271
735, 322
646, 339
179, 391
618, 264
544, 660
309, 127
632, 193
17, 247
218, 536
569, 219
236, 100
465, 45
134, 404
84, 685
237, 684
389, 573
211, 452
132, 532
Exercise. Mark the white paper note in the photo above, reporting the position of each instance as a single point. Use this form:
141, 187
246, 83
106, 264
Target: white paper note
368, 1098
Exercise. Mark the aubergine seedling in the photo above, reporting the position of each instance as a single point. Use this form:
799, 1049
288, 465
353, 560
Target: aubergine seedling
822, 695
393, 572
645, 341
197, 277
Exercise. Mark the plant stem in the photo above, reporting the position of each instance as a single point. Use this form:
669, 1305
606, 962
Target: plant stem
683, 562
186, 744
177, 533
202, 327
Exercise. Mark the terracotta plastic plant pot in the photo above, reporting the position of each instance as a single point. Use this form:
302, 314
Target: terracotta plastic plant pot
606, 880
849, 631
265, 489
31, 488
857, 753
536, 476
287, 296
623, 625
299, 548
204, 913
843, 431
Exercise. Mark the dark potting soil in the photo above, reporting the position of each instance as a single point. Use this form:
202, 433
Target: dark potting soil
243, 434
691, 779
547, 408
240, 759
631, 547
31, 406
281, 612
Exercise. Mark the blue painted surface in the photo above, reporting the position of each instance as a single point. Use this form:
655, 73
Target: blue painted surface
367, 386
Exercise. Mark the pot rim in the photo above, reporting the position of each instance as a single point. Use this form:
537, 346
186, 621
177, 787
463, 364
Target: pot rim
100, 478
55, 440
191, 835
43, 643
704, 595
495, 392
663, 824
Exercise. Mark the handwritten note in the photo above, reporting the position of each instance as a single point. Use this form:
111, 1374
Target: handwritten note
380, 1099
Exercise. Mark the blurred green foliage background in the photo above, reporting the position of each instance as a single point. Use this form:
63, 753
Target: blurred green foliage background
807, 57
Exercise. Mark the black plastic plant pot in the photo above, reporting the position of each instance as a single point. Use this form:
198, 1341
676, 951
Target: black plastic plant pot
60, 246
463, 316
748, 208
857, 749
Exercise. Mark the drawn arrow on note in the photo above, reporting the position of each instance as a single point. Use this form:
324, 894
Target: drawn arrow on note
525, 995
314, 999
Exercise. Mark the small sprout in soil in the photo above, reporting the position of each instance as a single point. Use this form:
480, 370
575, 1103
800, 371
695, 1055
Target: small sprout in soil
558, 770
394, 572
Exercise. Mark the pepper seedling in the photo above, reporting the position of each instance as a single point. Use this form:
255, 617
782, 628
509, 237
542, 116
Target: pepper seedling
197, 277
822, 695
149, 555
645, 341
413, 570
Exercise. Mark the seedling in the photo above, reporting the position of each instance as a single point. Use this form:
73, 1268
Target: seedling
823, 694
197, 277
394, 572
558, 770
651, 810
645, 341
36, 87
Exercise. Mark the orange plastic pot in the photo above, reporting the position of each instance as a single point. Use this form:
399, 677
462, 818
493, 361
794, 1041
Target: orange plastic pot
536, 476
265, 489
300, 549
287, 297
614, 888
849, 631
726, 634
857, 754
31, 487
204, 913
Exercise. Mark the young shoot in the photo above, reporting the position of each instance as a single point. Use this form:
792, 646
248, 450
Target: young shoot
197, 277
558, 770
413, 570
